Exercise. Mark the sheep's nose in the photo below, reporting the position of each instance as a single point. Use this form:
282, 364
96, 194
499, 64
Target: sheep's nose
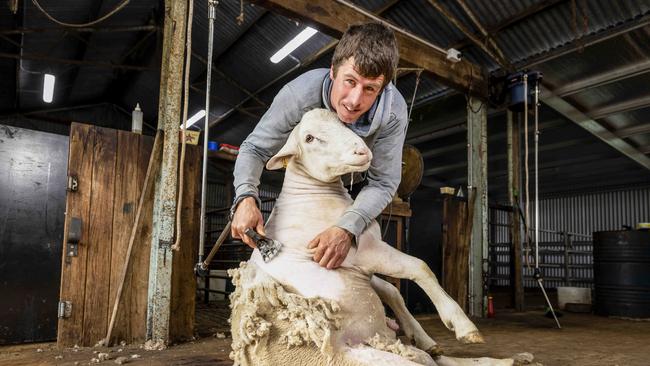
361, 150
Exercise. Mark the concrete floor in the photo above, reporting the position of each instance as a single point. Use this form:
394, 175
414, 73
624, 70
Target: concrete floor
585, 340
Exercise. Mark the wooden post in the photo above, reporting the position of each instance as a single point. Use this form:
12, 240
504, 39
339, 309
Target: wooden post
477, 181
160, 266
514, 170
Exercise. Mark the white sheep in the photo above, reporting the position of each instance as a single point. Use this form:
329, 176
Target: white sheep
282, 307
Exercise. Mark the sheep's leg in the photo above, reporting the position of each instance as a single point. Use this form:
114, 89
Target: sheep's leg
482, 361
366, 355
378, 257
390, 296
519, 359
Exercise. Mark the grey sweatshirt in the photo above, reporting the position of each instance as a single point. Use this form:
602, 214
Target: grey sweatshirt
383, 128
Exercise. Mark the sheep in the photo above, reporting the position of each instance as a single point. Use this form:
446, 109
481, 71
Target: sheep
281, 309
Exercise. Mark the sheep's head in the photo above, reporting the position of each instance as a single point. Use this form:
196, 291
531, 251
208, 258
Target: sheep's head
324, 147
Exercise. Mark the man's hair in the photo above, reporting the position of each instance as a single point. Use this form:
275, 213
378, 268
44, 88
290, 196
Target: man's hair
373, 47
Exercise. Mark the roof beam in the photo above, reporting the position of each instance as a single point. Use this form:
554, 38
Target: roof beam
543, 148
529, 11
622, 107
230, 80
308, 61
26, 56
604, 78
333, 17
215, 58
135, 28
544, 126
589, 124
480, 43
633, 131
509, 22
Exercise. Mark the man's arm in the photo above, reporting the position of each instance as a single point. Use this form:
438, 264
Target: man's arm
265, 141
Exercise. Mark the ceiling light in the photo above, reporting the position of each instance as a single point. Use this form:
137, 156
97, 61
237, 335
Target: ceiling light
48, 87
200, 114
301, 38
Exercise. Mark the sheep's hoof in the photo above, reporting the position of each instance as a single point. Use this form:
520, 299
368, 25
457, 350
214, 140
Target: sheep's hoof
472, 338
435, 351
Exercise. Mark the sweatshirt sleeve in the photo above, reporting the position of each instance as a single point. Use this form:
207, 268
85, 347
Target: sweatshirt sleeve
266, 140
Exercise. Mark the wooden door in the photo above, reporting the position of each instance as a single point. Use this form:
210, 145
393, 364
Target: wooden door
456, 234
109, 167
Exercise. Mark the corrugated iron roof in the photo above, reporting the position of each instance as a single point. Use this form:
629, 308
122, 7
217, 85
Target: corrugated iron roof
242, 53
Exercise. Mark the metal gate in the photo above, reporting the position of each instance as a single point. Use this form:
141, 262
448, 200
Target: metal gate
565, 257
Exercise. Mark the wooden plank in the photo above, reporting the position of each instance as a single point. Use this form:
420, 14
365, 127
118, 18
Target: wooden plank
100, 236
183, 293
138, 278
124, 210
455, 250
73, 271
164, 214
147, 191
333, 18
398, 208
514, 178
477, 179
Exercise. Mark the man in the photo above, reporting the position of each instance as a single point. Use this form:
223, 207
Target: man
357, 87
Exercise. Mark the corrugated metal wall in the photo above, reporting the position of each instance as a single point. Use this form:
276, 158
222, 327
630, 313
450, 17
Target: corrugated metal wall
579, 215
599, 211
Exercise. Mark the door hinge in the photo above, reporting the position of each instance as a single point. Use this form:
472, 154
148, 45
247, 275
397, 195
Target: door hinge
65, 309
73, 183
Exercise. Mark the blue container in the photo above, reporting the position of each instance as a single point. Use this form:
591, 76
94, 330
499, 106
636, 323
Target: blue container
516, 88
213, 145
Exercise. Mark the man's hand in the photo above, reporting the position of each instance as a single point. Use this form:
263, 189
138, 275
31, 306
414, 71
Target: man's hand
332, 246
247, 215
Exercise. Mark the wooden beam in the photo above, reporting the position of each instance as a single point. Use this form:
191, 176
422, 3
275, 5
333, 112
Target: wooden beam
477, 179
506, 23
499, 58
27, 56
334, 17
603, 78
621, 107
135, 28
514, 180
588, 123
164, 209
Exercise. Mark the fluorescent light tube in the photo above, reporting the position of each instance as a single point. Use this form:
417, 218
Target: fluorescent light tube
301, 38
48, 87
200, 114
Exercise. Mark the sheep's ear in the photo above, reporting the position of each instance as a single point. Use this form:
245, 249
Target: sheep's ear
289, 149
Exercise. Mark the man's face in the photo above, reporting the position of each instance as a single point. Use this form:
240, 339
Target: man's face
352, 95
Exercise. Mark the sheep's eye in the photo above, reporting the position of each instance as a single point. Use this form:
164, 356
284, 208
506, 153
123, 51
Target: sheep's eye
309, 138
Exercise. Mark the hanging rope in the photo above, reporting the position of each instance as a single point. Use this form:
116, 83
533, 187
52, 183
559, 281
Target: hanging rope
408, 121
415, 92
181, 168
72, 25
240, 18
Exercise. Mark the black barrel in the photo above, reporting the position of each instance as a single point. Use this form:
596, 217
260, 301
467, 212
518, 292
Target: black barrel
622, 273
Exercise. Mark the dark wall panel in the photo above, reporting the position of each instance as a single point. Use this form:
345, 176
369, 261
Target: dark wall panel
425, 243
33, 169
